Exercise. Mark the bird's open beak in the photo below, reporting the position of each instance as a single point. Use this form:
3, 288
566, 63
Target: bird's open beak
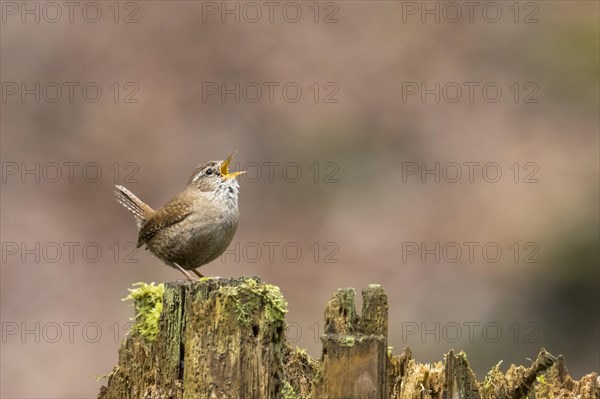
225, 169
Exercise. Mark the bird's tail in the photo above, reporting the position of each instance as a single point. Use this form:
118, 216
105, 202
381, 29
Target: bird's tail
141, 211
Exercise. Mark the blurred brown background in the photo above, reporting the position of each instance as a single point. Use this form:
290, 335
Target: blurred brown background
361, 209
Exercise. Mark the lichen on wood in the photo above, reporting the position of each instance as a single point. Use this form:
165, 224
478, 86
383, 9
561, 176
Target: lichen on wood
234, 340
216, 338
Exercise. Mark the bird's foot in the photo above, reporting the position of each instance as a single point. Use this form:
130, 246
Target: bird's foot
185, 272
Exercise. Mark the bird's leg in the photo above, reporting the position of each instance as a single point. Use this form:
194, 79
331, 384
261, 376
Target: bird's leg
185, 272
197, 273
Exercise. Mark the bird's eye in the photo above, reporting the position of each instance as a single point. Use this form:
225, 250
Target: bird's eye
208, 172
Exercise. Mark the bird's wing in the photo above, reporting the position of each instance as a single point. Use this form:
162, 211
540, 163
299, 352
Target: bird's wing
170, 214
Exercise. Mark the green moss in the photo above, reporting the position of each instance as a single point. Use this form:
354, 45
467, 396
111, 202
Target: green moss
301, 352
347, 340
148, 302
288, 391
250, 296
493, 382
541, 379
103, 377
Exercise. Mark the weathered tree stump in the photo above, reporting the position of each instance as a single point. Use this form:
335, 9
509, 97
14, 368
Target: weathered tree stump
354, 363
224, 338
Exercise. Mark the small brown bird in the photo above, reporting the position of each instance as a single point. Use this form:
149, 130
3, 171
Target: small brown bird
197, 225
